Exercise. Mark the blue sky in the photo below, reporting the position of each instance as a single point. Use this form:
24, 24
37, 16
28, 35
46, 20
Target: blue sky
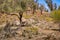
44, 3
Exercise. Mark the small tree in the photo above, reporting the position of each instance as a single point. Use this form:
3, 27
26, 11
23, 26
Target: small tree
59, 8
55, 6
41, 9
32, 4
34, 8
49, 3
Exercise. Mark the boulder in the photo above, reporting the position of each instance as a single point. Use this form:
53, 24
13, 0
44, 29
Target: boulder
24, 20
17, 22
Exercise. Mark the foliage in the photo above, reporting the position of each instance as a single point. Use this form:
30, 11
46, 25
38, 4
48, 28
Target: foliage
32, 29
48, 19
15, 5
49, 3
30, 32
55, 6
41, 8
59, 8
27, 16
56, 15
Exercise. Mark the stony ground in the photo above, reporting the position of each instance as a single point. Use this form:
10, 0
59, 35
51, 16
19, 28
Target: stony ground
33, 28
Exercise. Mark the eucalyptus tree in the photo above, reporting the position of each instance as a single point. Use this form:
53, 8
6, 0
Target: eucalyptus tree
31, 4
35, 6
59, 8
50, 4
54, 6
41, 8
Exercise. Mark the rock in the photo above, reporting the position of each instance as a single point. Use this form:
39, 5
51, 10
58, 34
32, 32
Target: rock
19, 32
13, 28
30, 21
24, 20
16, 22
3, 25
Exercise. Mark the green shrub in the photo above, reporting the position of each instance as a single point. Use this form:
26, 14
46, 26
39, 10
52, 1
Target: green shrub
56, 15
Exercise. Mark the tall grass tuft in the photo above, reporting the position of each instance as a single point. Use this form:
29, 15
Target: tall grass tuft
56, 15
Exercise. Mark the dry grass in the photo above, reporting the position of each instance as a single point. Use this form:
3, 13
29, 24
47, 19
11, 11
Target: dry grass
4, 18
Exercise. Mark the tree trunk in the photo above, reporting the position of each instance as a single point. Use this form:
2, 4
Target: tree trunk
33, 11
20, 14
41, 12
59, 27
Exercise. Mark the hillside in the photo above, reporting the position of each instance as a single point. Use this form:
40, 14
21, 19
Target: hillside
33, 28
